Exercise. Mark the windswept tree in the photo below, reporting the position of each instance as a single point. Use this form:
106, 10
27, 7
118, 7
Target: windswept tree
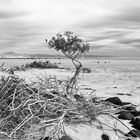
72, 47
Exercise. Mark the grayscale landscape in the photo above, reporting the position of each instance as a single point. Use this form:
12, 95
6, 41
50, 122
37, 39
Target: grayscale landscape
69, 70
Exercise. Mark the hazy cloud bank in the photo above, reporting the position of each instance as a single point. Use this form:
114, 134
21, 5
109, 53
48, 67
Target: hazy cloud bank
111, 27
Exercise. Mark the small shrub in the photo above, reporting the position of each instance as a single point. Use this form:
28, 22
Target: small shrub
35, 64
86, 70
41, 64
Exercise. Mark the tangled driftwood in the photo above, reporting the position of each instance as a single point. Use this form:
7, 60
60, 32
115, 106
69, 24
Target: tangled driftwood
43, 108
43, 104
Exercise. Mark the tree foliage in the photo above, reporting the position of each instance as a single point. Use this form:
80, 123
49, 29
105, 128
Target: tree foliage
70, 44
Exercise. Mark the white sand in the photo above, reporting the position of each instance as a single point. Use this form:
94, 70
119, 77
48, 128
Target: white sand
108, 80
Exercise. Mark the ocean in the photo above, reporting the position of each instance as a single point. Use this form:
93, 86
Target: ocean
90, 62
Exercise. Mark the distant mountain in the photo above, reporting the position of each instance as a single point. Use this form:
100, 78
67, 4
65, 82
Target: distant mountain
11, 55
18, 55
44, 56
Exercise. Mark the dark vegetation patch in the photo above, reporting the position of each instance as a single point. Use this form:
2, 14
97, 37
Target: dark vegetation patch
36, 64
89, 89
41, 64
86, 70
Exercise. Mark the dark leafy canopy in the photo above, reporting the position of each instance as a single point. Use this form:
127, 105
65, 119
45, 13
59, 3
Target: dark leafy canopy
69, 44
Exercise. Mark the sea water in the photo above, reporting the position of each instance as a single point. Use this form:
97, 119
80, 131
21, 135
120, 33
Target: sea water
89, 62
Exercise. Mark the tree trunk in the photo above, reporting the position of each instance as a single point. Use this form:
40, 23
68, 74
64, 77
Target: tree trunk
73, 80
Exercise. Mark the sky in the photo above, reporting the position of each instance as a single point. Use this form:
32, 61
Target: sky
112, 27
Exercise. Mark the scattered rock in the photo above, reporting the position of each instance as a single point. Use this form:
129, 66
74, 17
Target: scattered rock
135, 123
135, 113
134, 133
105, 137
125, 115
132, 121
126, 103
116, 101
129, 108
124, 94
66, 138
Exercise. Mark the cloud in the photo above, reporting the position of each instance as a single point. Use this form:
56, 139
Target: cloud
122, 28
137, 46
125, 17
10, 14
129, 41
19, 35
110, 26
129, 14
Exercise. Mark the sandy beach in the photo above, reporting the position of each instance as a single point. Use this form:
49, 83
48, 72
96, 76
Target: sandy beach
108, 77
114, 78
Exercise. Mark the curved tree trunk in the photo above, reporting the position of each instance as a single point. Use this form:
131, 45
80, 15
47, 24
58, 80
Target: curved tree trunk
73, 80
